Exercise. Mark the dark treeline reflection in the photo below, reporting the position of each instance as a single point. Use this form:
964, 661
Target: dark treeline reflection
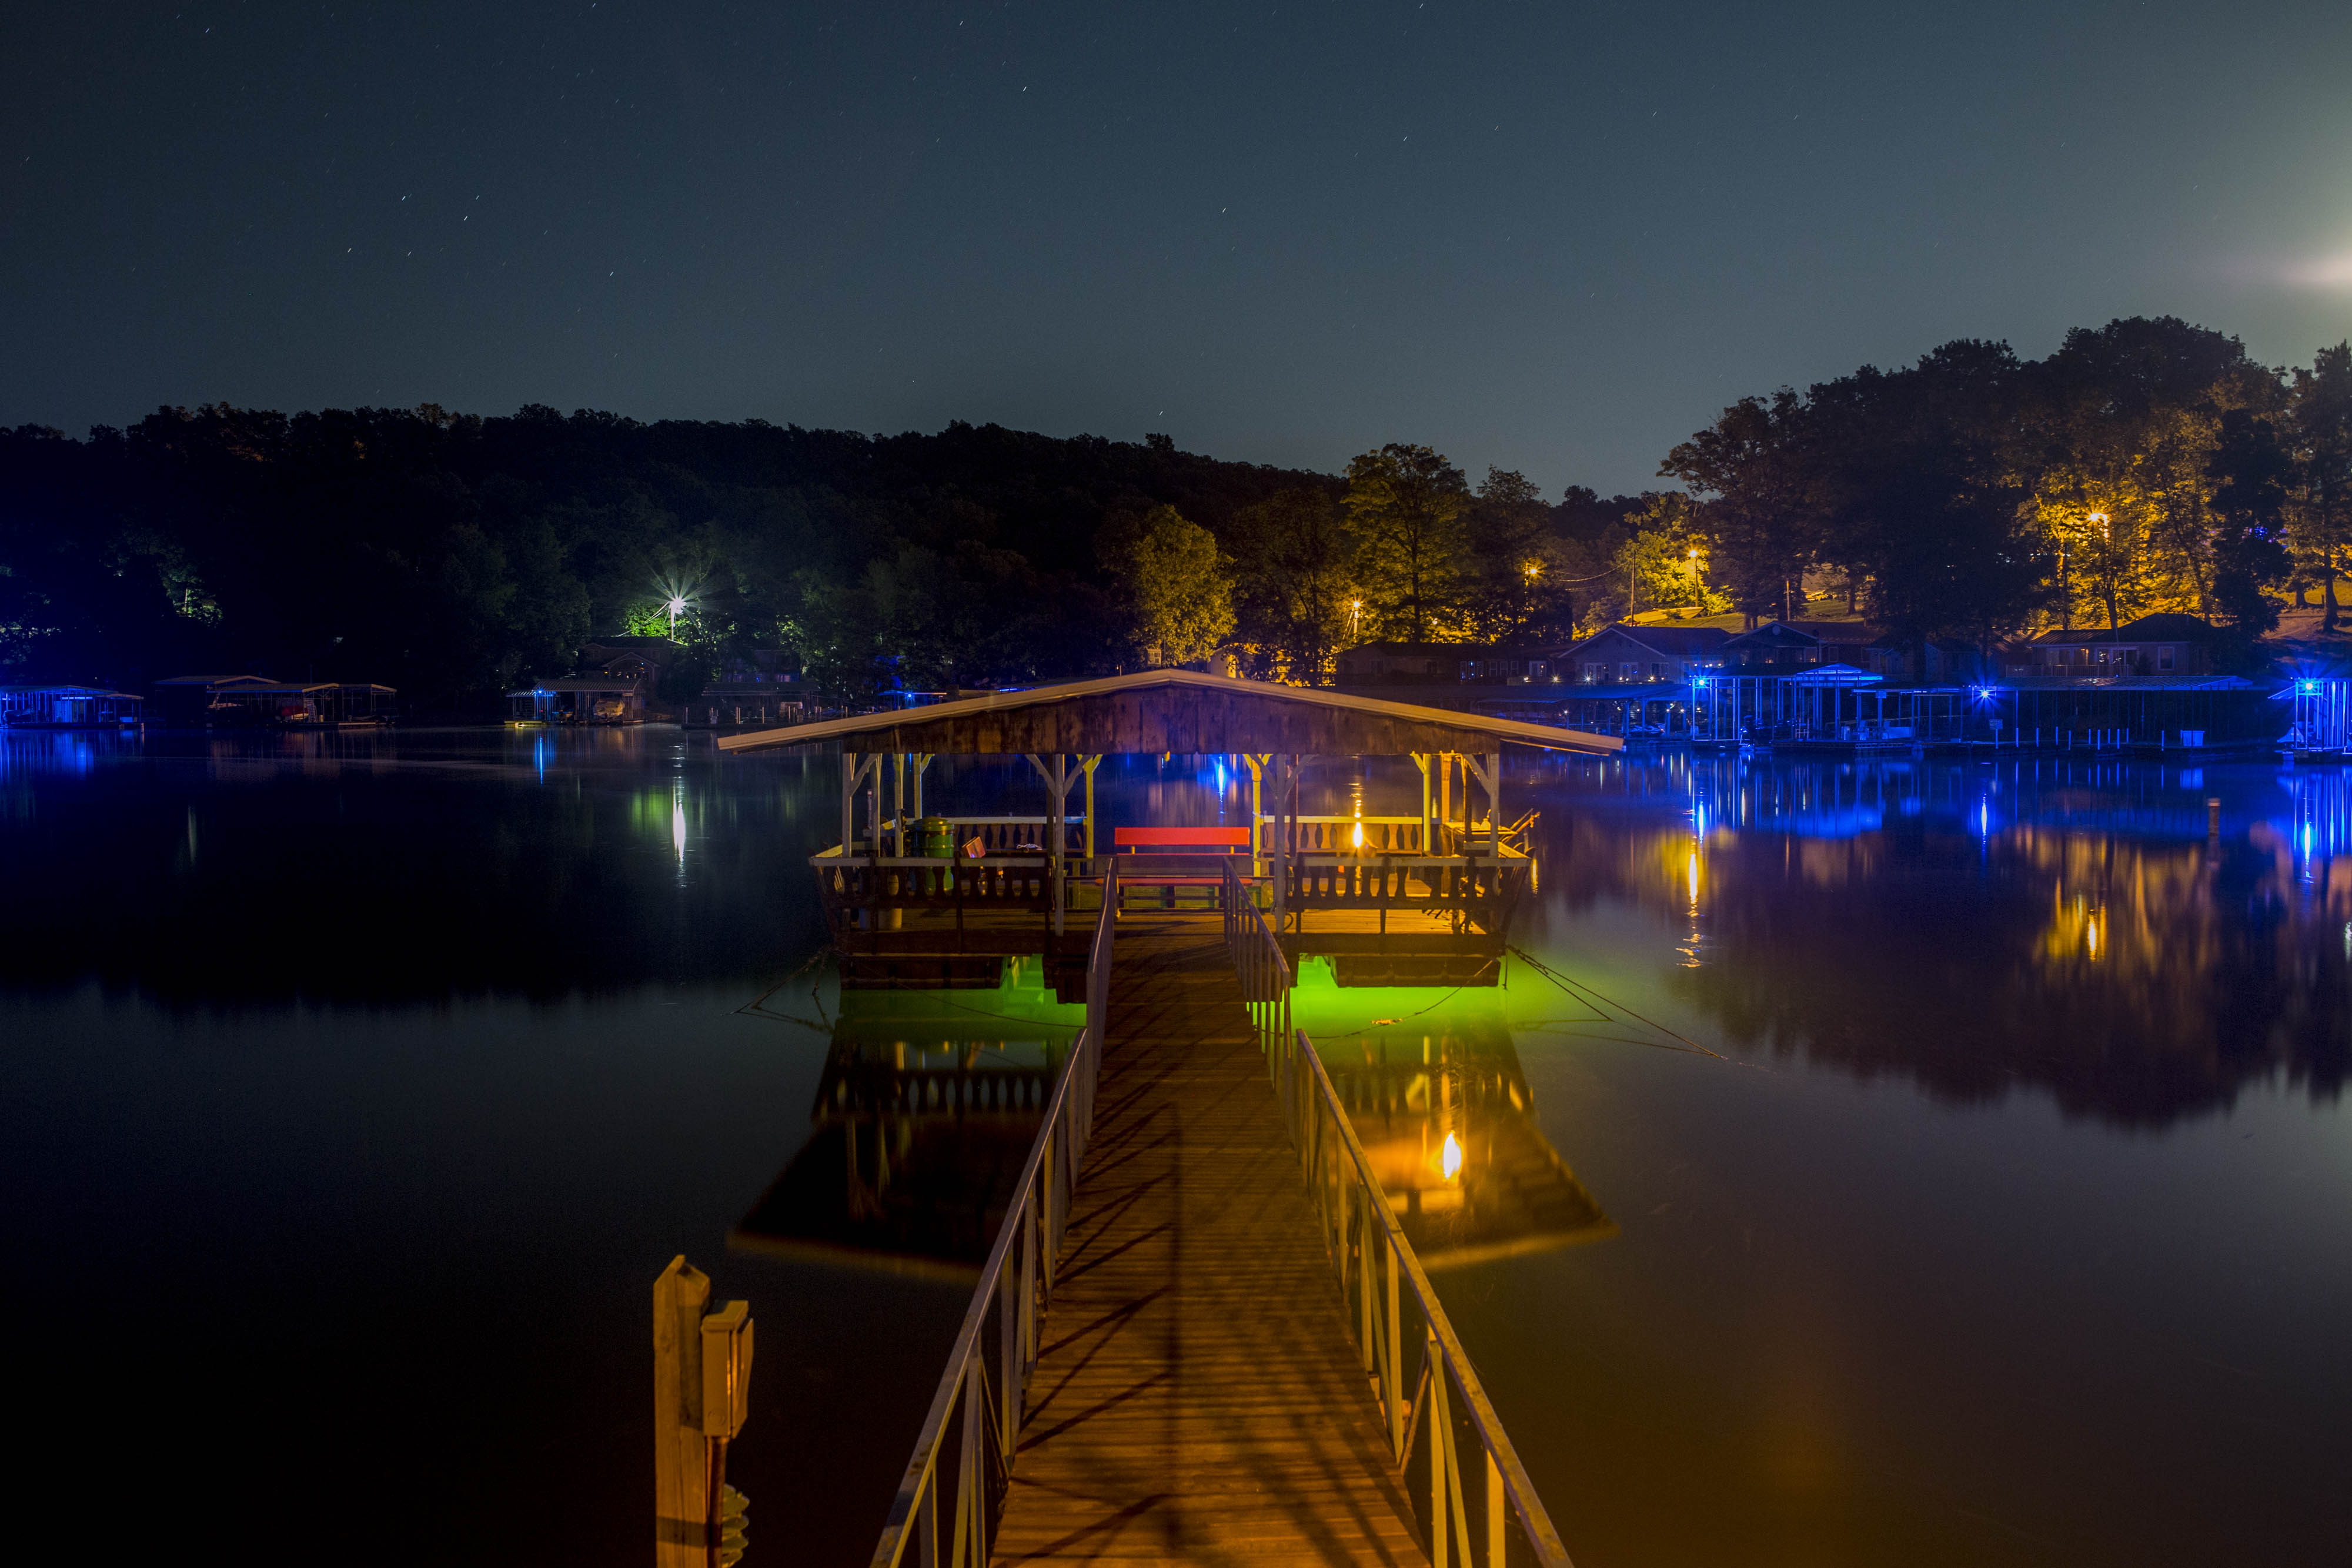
1977, 927
399, 867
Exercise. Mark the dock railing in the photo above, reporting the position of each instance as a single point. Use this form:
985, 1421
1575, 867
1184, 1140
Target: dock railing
1389, 1298
963, 1456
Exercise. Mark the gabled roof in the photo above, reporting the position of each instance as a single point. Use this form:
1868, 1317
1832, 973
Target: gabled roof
1809, 633
1445, 650
1177, 711
1669, 642
2168, 627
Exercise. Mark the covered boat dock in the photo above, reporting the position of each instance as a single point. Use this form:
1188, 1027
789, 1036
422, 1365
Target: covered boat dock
913, 899
1155, 1366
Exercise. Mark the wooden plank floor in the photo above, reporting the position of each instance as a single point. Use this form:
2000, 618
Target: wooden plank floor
1197, 1398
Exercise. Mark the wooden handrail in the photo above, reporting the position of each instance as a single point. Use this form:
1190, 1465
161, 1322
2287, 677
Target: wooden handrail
1015, 1286
1359, 1225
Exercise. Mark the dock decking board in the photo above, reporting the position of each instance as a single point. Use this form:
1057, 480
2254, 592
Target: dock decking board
1197, 1398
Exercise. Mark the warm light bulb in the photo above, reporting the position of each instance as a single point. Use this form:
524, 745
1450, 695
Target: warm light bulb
1452, 1156
1359, 835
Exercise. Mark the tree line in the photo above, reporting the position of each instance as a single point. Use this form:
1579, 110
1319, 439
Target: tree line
2146, 465
455, 556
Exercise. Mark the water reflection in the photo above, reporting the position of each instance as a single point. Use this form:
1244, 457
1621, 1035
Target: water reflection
1433, 1089
2101, 933
923, 1116
378, 867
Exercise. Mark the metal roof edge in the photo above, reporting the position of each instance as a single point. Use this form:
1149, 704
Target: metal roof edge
1542, 736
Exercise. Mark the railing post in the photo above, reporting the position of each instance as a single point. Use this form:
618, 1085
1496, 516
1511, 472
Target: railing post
927, 1519
1396, 1360
1437, 1434
975, 1468
1008, 1363
1497, 1540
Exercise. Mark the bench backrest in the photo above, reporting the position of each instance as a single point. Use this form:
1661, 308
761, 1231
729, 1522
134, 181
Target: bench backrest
1196, 841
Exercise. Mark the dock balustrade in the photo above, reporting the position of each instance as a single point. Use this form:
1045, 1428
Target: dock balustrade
973, 1428
1389, 1294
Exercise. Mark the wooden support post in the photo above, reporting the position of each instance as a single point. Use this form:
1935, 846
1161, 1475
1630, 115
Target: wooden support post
681, 1497
1444, 789
1092, 763
1420, 761
899, 804
1257, 830
1495, 803
848, 799
702, 1383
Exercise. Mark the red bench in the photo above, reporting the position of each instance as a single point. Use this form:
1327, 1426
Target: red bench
1170, 858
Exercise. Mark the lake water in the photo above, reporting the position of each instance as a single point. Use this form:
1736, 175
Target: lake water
1964, 1174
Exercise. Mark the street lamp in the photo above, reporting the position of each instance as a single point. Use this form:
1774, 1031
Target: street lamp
1355, 618
676, 604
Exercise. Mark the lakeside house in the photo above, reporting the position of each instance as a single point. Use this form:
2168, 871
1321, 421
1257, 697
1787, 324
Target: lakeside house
757, 689
614, 683
1439, 663
2167, 644
193, 702
1626, 653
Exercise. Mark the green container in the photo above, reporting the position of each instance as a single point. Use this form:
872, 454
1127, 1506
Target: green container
936, 835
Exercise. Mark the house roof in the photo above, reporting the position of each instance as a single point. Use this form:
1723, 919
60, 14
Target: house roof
1173, 710
2164, 628
1809, 633
1673, 642
1444, 650
70, 688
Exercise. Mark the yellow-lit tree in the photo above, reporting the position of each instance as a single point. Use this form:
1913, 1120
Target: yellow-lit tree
1407, 506
1182, 590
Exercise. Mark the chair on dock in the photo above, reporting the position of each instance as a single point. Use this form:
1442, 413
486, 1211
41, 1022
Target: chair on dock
1167, 858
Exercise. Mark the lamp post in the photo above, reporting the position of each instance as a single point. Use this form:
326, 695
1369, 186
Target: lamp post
676, 604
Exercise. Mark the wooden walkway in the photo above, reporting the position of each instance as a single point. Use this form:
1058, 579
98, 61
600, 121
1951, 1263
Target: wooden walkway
1197, 1397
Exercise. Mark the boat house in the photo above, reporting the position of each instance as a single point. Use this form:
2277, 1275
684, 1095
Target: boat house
257, 701
914, 898
68, 707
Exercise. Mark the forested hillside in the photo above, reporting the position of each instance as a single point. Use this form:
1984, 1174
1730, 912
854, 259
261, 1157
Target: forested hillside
452, 555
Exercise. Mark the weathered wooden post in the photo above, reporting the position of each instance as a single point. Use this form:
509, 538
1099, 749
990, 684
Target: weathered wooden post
1258, 828
702, 1379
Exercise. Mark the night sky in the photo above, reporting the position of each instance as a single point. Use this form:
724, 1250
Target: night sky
1552, 237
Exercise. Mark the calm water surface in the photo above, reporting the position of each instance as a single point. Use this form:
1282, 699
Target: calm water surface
1962, 1171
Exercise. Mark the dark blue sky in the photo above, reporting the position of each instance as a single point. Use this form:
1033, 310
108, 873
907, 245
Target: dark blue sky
1554, 237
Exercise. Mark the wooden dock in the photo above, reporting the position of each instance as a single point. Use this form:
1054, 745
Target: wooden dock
1197, 1397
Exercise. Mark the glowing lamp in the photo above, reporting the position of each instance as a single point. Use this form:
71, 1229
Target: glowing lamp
1451, 1157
